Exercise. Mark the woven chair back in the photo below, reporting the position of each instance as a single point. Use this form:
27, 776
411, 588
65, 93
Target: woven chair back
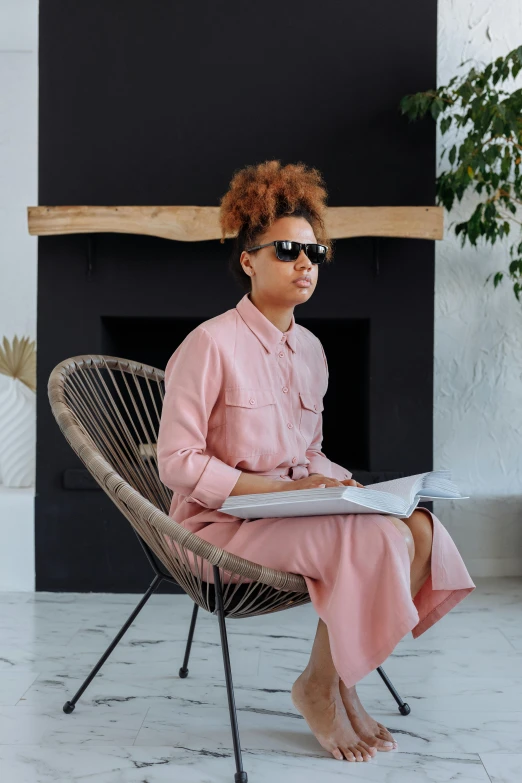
109, 410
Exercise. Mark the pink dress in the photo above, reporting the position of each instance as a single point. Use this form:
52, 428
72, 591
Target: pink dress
240, 395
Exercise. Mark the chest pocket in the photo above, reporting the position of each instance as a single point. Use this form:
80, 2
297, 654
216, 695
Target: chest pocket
311, 407
251, 419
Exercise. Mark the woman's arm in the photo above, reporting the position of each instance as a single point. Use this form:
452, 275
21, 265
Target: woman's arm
250, 484
193, 377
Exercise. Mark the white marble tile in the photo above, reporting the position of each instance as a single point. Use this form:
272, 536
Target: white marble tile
206, 657
477, 632
15, 597
21, 625
120, 764
96, 635
149, 686
499, 694
13, 685
511, 628
261, 730
36, 656
462, 663
495, 594
503, 767
265, 729
463, 731
78, 599
51, 726
423, 664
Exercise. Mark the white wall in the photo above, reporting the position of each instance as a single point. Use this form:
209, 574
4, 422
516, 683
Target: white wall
478, 337
18, 190
478, 332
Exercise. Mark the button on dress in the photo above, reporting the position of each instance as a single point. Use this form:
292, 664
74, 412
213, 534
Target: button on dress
240, 395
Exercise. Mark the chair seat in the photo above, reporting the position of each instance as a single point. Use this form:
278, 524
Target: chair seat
239, 600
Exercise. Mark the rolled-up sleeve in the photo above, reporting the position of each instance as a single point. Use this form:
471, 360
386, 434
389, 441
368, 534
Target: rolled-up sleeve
192, 383
319, 462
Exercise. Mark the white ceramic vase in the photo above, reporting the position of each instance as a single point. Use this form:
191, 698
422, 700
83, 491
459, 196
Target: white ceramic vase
17, 434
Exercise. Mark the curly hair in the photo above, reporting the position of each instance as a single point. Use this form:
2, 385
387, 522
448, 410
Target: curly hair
260, 194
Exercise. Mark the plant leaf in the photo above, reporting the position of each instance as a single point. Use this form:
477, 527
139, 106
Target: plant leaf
18, 360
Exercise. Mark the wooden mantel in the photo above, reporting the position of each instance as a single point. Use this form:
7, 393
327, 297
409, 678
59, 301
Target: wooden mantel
194, 224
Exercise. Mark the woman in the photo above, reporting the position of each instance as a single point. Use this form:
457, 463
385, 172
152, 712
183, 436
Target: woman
242, 414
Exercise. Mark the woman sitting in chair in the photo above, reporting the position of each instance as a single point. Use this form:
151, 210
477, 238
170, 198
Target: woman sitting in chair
242, 414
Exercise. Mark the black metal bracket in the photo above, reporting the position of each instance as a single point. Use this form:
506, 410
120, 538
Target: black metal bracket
91, 247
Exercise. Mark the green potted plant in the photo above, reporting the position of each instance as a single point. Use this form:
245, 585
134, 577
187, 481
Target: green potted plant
17, 412
488, 158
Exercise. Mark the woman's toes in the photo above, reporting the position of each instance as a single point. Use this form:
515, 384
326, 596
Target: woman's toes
385, 734
363, 750
383, 745
384, 740
349, 756
336, 753
368, 749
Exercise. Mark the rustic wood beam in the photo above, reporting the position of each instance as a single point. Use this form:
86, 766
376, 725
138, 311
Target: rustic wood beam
194, 224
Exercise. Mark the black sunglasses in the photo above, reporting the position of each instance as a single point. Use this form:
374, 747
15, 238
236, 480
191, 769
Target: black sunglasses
289, 251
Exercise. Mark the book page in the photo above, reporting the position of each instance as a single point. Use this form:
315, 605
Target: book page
405, 487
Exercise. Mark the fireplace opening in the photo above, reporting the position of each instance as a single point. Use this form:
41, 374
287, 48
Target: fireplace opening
346, 343
147, 340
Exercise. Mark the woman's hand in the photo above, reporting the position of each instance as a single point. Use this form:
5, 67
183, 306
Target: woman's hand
315, 480
346, 482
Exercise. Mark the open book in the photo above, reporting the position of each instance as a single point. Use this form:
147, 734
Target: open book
398, 497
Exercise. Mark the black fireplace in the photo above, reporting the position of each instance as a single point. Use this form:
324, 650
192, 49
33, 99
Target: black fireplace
156, 109
138, 297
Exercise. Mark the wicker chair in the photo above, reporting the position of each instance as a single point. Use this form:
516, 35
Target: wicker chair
109, 411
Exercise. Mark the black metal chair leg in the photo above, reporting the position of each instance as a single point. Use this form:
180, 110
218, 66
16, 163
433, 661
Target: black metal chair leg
184, 669
404, 708
240, 776
69, 706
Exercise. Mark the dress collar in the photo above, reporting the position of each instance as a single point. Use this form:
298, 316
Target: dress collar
268, 334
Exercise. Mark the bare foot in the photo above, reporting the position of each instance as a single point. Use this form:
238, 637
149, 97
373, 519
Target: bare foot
371, 731
322, 708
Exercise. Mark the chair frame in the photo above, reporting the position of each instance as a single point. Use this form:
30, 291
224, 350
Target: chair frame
150, 525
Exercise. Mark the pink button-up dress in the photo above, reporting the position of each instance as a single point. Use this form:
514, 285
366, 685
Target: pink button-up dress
240, 395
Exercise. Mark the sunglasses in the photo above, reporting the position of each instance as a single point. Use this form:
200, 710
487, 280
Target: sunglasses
289, 251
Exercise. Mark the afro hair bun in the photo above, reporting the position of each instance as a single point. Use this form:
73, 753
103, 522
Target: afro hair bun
260, 194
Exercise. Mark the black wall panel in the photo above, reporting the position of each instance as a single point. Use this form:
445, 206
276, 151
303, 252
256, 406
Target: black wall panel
158, 103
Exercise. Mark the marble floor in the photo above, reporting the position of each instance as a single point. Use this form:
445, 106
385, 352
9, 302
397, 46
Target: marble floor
139, 722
